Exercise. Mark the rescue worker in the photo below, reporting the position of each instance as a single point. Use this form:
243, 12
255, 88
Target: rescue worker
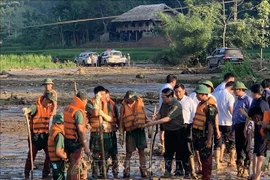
203, 129
225, 101
170, 83
227, 78
97, 107
242, 140
75, 136
40, 113
188, 109
48, 84
217, 135
132, 118
58, 156
112, 109
171, 117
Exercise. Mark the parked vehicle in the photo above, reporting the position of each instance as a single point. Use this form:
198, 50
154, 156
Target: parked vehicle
86, 59
113, 57
222, 55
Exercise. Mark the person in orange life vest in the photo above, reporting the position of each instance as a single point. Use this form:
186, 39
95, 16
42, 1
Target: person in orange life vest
75, 136
56, 148
94, 112
171, 117
40, 113
203, 129
48, 84
112, 109
217, 134
132, 118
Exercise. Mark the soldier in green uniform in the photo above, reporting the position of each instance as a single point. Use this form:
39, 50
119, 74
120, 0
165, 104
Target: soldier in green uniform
202, 129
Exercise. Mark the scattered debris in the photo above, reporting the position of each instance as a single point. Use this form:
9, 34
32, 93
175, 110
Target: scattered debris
189, 71
140, 76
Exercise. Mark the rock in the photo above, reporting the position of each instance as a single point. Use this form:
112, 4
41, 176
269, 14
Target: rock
140, 76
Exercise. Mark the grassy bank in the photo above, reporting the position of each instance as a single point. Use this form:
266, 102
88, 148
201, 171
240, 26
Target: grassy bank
136, 54
9, 62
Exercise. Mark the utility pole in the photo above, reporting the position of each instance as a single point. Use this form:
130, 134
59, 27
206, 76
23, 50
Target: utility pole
235, 10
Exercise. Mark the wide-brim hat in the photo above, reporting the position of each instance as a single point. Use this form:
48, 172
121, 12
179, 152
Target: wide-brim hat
131, 96
47, 81
58, 118
239, 85
82, 95
202, 89
208, 83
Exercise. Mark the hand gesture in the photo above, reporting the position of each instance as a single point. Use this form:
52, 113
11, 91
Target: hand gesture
243, 111
263, 124
218, 134
98, 96
87, 152
24, 110
208, 143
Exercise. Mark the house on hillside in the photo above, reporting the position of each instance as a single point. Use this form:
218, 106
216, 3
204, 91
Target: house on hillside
139, 22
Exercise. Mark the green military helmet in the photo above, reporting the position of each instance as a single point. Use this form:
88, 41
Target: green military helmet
47, 81
201, 89
239, 85
131, 96
82, 95
50, 96
58, 118
208, 83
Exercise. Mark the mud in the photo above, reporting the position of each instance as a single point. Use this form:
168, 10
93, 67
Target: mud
20, 88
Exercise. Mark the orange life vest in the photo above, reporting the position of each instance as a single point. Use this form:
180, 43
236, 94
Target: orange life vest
134, 117
94, 120
266, 119
200, 115
54, 131
40, 121
71, 131
114, 120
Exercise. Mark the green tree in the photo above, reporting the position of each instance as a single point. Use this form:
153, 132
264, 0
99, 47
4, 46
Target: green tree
260, 27
190, 34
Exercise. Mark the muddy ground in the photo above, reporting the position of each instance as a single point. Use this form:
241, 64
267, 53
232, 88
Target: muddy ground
20, 88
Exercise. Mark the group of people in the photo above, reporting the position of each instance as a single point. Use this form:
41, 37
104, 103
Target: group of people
216, 119
191, 126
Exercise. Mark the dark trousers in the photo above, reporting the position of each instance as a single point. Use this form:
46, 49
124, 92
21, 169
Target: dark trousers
207, 168
175, 142
57, 170
242, 145
46, 165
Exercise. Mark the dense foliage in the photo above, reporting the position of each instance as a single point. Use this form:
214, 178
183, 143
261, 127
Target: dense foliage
200, 26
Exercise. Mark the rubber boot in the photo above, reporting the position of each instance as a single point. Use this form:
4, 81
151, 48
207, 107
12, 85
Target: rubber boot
192, 167
127, 169
217, 158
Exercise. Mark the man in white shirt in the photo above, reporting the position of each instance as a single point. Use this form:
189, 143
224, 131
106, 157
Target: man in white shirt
227, 78
225, 101
170, 83
188, 110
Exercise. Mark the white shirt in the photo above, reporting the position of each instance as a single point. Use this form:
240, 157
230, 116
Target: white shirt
224, 100
188, 109
220, 87
164, 86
